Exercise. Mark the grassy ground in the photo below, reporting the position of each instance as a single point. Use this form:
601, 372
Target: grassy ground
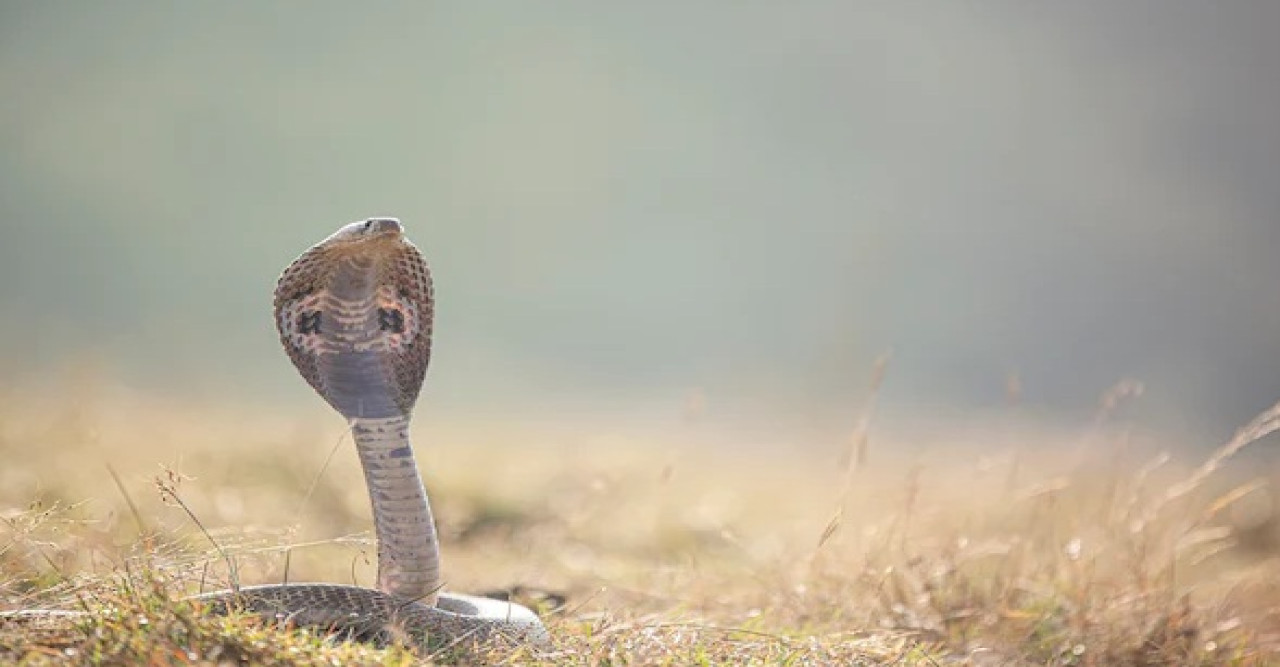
637, 552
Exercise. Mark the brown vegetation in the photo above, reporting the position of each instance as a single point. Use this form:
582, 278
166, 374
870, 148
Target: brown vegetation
638, 553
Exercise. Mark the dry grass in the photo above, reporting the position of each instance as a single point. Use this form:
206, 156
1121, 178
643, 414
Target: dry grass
662, 554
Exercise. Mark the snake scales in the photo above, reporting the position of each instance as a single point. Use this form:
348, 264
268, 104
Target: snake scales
354, 313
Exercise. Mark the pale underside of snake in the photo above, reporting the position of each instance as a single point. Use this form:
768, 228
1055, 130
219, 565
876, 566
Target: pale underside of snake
354, 313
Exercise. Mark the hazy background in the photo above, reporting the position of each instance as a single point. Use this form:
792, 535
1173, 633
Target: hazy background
625, 203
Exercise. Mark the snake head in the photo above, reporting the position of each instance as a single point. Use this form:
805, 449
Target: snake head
363, 231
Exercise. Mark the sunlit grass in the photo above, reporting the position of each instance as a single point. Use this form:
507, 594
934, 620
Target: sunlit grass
636, 552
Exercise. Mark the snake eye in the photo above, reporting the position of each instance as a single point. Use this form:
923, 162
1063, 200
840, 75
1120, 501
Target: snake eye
367, 225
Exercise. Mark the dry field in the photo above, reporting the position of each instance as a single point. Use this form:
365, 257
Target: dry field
646, 553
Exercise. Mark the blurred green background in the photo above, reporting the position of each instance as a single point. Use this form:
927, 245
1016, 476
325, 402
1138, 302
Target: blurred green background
624, 203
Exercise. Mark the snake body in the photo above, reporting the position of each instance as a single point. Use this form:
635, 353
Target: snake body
354, 313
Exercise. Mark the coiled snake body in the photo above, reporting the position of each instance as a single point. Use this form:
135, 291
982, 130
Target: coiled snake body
354, 313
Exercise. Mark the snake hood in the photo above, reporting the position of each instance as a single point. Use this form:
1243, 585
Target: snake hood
354, 313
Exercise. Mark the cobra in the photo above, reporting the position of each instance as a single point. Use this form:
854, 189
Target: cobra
354, 313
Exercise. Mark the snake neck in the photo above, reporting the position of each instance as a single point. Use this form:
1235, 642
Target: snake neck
408, 549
